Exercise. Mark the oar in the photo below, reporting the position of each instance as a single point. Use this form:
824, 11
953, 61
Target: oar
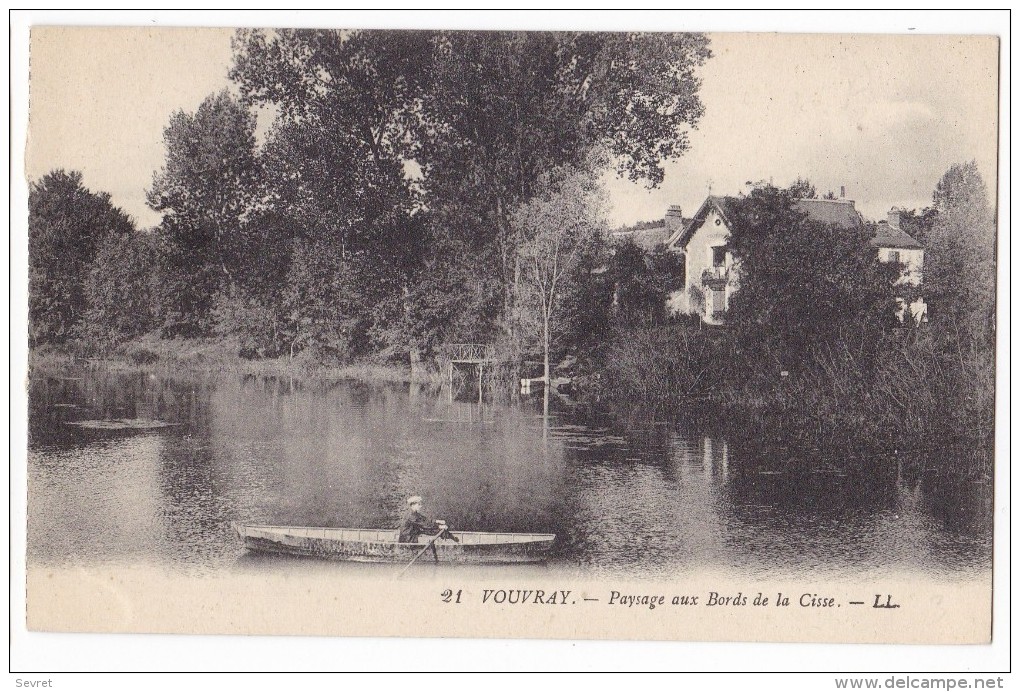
430, 544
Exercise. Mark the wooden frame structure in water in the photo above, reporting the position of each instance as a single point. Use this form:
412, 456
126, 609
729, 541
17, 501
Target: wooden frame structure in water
475, 355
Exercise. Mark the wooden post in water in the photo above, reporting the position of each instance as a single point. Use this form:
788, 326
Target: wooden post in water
481, 369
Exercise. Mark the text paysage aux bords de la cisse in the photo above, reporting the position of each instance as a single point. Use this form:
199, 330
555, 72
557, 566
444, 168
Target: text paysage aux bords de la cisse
651, 601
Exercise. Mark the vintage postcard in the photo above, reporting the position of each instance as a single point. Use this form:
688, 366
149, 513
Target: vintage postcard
519, 334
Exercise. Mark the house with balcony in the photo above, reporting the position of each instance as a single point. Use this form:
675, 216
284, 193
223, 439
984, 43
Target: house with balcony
712, 273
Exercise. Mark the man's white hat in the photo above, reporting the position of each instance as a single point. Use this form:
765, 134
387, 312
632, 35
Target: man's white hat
414, 499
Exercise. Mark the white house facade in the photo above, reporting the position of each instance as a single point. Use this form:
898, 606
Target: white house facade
896, 245
712, 273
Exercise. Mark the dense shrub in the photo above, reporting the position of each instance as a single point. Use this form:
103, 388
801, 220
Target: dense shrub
664, 364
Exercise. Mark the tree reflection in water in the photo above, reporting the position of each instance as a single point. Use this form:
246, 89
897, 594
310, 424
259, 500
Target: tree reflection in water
624, 494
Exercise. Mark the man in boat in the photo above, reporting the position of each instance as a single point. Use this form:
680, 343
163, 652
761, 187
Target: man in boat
417, 524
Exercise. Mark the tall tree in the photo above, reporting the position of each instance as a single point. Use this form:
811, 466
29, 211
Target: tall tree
959, 272
346, 105
505, 108
336, 164
206, 191
67, 223
553, 230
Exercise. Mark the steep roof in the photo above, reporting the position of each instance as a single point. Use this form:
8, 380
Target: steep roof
724, 205
836, 212
891, 236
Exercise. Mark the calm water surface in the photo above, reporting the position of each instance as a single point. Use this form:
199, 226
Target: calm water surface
630, 498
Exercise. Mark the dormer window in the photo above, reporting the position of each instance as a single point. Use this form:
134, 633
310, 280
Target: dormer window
894, 256
719, 256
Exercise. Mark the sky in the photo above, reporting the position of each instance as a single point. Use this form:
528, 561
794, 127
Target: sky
882, 115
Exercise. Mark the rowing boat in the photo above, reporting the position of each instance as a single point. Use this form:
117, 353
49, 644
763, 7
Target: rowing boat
383, 545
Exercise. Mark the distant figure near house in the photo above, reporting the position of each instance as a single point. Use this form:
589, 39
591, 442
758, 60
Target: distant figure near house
416, 524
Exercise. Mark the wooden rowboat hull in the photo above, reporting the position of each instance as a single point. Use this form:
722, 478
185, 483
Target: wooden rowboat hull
381, 545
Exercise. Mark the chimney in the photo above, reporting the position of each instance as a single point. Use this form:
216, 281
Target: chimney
894, 217
842, 191
674, 218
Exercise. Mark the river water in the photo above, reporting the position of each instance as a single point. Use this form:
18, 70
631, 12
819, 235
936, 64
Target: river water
634, 497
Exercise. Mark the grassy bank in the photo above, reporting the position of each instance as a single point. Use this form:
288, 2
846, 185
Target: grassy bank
212, 356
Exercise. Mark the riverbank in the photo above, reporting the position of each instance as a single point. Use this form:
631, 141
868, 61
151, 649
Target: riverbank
913, 393
670, 375
207, 356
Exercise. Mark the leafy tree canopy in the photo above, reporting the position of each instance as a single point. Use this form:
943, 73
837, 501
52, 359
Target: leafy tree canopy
375, 125
803, 284
67, 223
210, 166
959, 273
